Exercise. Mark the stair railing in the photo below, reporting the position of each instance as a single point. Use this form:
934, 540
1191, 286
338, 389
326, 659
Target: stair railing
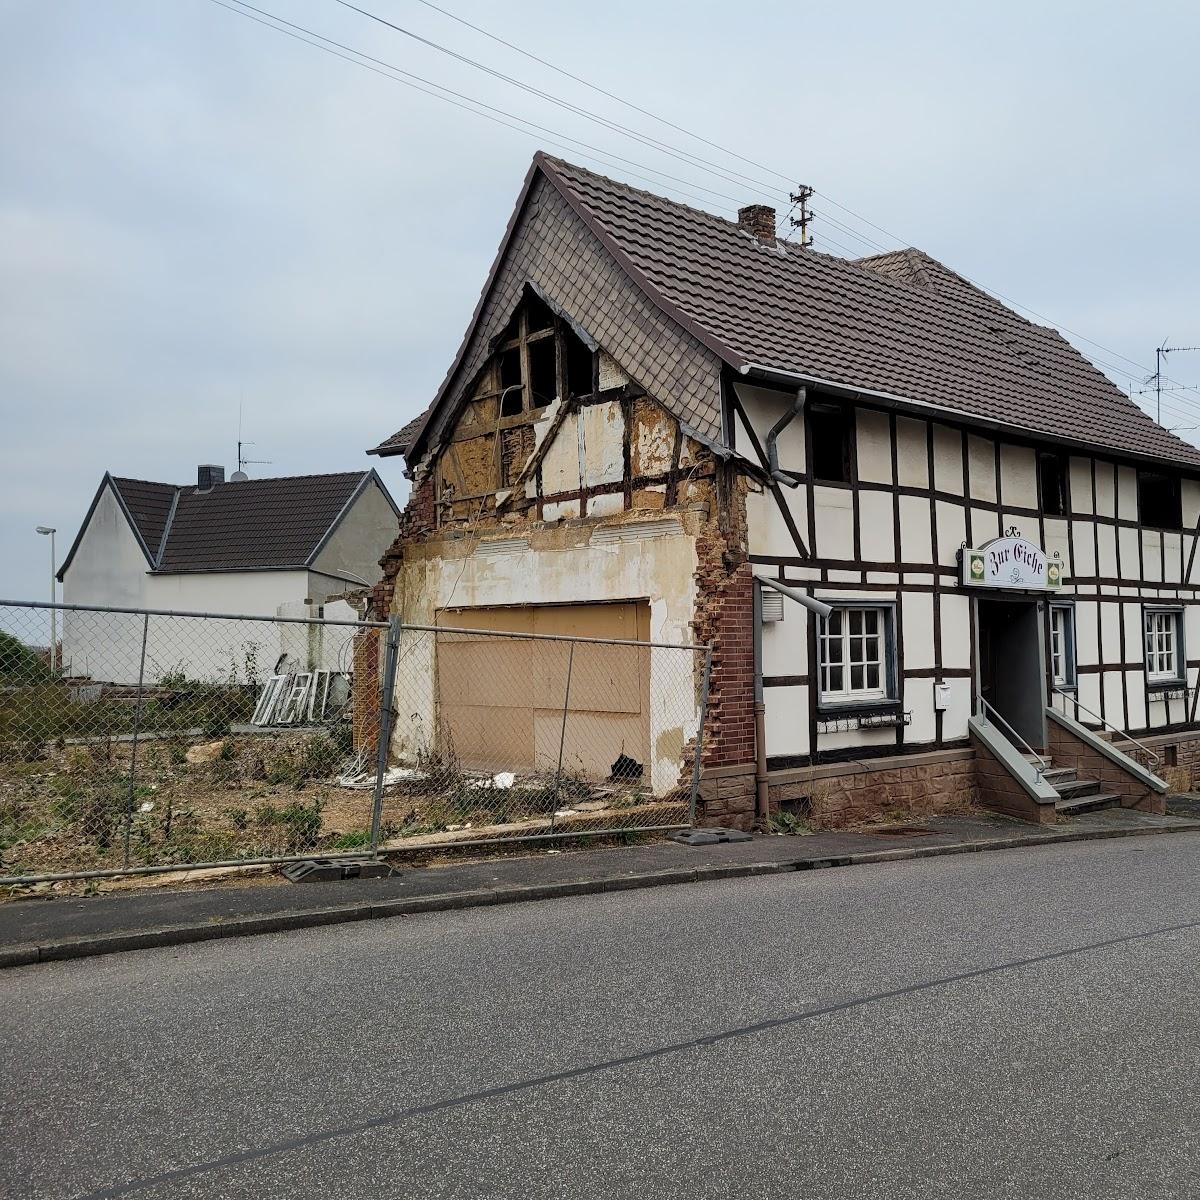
986, 709
1157, 762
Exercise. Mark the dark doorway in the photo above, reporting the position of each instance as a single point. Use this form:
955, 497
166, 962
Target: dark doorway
1011, 675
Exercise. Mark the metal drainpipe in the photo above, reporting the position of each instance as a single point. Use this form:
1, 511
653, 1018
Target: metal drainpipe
762, 795
777, 472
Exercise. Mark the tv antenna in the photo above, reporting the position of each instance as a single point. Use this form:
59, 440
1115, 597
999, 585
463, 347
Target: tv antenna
240, 475
1160, 354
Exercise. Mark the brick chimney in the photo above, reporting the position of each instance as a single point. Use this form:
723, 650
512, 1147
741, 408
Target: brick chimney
759, 220
207, 476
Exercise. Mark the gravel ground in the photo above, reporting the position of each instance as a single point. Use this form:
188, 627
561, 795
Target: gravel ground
1002, 1025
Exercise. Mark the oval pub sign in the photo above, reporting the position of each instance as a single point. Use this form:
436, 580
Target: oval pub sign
1010, 562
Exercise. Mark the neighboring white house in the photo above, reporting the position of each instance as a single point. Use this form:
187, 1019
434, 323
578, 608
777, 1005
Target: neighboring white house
258, 547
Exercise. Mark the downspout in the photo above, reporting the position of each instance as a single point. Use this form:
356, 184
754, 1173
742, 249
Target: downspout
762, 802
762, 795
777, 472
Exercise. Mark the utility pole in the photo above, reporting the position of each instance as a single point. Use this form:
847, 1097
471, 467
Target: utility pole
50, 531
800, 199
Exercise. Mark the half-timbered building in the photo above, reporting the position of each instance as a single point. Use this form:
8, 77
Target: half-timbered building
941, 559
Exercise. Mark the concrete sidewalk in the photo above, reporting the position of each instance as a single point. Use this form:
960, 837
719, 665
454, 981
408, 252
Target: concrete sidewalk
40, 930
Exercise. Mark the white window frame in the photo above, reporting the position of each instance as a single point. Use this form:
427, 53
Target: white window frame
880, 655
1063, 669
1163, 645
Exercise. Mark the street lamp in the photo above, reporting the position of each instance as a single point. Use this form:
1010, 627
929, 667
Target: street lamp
50, 530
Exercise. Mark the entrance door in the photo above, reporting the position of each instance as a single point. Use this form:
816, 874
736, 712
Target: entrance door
1011, 675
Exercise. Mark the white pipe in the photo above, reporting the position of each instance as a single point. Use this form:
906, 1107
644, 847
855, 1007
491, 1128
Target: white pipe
810, 602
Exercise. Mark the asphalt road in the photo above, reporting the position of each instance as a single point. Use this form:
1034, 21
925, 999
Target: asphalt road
1019, 1024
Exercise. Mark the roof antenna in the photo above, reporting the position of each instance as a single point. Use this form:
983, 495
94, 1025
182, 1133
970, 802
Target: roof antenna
1160, 354
800, 198
240, 476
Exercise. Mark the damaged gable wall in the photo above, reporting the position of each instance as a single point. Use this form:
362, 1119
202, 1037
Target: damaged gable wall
603, 497
554, 250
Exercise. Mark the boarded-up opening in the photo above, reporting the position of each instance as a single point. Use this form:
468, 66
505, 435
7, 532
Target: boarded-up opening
501, 700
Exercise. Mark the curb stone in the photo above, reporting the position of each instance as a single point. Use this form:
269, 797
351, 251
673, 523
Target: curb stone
209, 930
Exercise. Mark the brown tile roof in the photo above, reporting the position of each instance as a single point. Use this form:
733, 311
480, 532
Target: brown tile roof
256, 523
900, 324
149, 507
250, 524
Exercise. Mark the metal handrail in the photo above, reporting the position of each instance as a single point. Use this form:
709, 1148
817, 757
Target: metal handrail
1043, 763
1113, 728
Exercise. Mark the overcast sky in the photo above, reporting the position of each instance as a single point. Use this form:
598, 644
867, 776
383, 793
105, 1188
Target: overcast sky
197, 212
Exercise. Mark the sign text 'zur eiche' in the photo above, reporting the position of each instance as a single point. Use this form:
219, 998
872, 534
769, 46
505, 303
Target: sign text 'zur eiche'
1010, 562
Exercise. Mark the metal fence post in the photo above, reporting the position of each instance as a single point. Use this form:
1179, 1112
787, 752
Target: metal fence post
562, 737
384, 734
700, 735
137, 728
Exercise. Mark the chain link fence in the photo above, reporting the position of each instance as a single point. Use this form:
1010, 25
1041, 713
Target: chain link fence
149, 740
136, 741
498, 736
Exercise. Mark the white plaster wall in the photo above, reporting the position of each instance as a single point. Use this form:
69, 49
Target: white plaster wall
1127, 508
918, 630
1084, 558
951, 531
878, 530
1081, 485
1106, 489
912, 452
109, 568
785, 643
786, 720
982, 460
763, 408
1152, 557
560, 464
601, 444
916, 539
767, 532
918, 702
362, 538
874, 438
1018, 476
834, 508
956, 631
947, 460
1127, 545
218, 649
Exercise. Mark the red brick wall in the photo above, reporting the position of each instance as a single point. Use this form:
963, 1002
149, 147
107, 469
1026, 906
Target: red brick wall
725, 620
418, 520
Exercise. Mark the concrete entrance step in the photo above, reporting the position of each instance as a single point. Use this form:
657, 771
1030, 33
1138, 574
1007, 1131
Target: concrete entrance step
1060, 777
1074, 789
1090, 803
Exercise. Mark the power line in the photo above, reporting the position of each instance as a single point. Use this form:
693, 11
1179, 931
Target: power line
603, 91
707, 166
663, 147
725, 150
408, 76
